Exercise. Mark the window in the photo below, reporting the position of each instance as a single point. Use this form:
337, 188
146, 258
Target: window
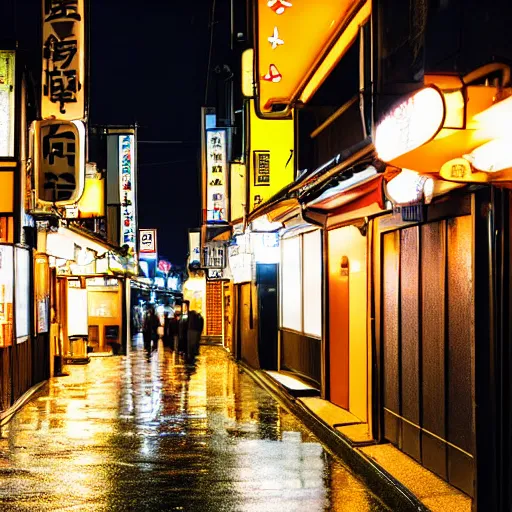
312, 296
22, 293
301, 284
291, 296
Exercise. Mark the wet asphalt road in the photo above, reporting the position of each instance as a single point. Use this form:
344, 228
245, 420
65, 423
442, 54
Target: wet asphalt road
146, 432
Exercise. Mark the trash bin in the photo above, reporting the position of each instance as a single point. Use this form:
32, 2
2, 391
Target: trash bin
78, 350
112, 338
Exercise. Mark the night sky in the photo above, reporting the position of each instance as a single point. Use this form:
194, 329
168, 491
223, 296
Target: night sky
148, 65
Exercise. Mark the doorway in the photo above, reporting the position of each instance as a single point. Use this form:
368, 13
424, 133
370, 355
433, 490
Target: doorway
266, 280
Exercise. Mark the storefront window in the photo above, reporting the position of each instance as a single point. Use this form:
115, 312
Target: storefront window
312, 272
6, 295
22, 293
78, 325
301, 283
291, 296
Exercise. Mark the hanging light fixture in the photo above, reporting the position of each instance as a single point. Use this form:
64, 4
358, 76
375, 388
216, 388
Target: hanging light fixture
409, 187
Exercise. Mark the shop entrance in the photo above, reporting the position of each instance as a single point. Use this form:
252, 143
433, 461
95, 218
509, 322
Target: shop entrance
266, 279
249, 325
428, 344
347, 320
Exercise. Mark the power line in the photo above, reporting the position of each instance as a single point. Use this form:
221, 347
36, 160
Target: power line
151, 164
212, 24
167, 142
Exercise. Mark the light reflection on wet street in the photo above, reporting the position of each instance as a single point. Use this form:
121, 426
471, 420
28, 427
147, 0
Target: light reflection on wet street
146, 432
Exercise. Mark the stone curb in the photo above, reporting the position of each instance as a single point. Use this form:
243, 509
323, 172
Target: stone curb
387, 488
6, 416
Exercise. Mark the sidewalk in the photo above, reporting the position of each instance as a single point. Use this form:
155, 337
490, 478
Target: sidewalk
401, 481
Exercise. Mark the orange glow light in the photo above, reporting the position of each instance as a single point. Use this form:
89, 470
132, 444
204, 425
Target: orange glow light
410, 124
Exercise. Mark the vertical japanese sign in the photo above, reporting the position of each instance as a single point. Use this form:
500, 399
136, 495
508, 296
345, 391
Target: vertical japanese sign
6, 103
126, 183
194, 247
59, 161
216, 175
63, 59
261, 168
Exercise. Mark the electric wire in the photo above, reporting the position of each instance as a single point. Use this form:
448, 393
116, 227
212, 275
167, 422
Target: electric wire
212, 24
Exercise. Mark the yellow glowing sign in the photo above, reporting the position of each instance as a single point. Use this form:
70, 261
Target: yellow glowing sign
410, 124
6, 190
237, 198
460, 170
272, 160
92, 202
292, 38
337, 51
248, 73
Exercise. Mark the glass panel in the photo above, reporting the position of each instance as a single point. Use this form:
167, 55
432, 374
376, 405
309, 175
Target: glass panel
22, 293
312, 266
291, 285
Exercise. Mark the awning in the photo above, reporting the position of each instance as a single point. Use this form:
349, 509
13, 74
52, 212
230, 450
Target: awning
358, 196
312, 185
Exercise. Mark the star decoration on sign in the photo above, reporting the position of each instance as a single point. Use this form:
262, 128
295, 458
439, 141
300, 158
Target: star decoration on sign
279, 6
274, 40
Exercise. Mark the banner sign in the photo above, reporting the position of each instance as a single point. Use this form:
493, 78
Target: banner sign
214, 255
59, 161
7, 103
216, 175
63, 60
147, 241
194, 247
261, 168
126, 183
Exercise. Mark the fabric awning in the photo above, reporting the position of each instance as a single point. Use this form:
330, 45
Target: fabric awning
359, 196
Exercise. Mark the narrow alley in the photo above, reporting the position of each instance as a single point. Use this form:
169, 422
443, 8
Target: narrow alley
146, 432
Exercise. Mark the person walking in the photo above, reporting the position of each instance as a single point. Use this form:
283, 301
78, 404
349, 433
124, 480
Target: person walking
195, 327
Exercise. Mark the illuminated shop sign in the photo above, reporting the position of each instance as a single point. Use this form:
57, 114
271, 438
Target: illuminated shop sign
23, 260
6, 295
63, 60
194, 246
59, 161
273, 162
6, 103
147, 242
216, 162
214, 255
409, 187
410, 124
292, 37
248, 73
126, 183
215, 274
261, 168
